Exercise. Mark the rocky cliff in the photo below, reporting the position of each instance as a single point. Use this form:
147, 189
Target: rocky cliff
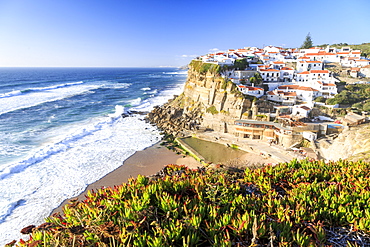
209, 101
352, 144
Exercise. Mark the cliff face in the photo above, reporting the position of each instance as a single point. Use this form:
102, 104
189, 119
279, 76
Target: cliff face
352, 144
208, 101
218, 100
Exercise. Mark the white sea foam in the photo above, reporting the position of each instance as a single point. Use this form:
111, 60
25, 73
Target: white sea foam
119, 111
37, 97
63, 169
185, 72
10, 94
160, 99
135, 102
36, 89
146, 88
73, 156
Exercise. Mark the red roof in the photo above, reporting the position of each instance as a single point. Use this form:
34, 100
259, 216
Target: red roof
319, 53
305, 108
251, 88
296, 87
304, 73
279, 62
269, 70
319, 71
313, 61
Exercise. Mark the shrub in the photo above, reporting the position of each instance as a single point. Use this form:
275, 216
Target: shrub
320, 99
299, 203
212, 109
203, 68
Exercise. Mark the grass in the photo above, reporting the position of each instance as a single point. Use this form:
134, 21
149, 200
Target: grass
300, 203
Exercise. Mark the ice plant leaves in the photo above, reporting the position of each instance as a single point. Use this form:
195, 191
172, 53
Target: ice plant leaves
300, 203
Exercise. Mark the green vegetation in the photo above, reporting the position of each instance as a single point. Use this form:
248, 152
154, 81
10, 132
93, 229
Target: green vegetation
203, 68
307, 42
212, 109
240, 64
225, 112
300, 203
234, 146
225, 83
256, 79
352, 94
364, 47
362, 106
320, 99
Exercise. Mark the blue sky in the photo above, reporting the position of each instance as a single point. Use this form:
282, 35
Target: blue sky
151, 33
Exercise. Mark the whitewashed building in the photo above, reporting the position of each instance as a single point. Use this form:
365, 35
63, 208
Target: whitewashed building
305, 65
253, 91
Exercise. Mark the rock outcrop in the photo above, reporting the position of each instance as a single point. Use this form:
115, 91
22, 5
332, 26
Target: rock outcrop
209, 101
173, 120
352, 144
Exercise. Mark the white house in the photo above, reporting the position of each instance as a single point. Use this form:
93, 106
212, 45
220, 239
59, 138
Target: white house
277, 64
285, 98
301, 111
253, 91
305, 65
323, 56
270, 74
327, 89
240, 75
271, 48
306, 94
314, 75
286, 74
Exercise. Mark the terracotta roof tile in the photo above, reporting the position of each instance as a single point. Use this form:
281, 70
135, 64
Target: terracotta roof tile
319, 71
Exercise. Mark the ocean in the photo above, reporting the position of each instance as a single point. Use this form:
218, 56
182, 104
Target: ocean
61, 129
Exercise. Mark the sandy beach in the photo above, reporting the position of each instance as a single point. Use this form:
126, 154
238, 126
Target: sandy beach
146, 162
151, 160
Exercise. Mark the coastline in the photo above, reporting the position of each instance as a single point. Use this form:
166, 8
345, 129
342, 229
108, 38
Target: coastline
145, 162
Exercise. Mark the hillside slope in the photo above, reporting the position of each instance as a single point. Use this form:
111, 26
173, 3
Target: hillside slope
293, 204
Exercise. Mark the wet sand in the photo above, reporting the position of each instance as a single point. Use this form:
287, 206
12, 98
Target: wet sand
146, 162
151, 160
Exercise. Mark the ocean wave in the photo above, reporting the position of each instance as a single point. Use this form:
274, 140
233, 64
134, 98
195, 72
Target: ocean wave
155, 91
57, 147
134, 102
176, 73
118, 85
160, 99
7, 210
38, 89
119, 111
32, 194
41, 96
146, 88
